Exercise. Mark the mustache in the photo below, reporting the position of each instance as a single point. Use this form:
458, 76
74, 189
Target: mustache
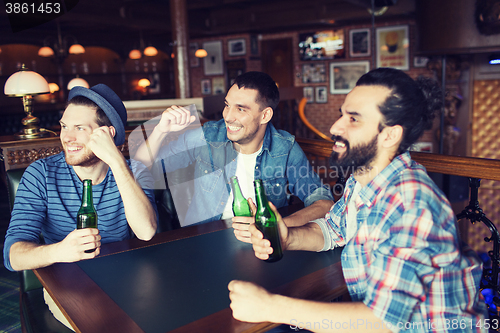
338, 138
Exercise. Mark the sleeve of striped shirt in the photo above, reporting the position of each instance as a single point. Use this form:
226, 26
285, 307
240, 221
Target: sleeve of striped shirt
30, 209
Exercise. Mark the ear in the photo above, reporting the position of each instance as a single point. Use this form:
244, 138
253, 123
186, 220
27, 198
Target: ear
112, 130
267, 115
391, 136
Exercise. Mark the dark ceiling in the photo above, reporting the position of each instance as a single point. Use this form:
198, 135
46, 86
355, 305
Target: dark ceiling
117, 24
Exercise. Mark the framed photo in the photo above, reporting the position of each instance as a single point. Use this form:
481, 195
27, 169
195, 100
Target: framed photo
393, 47
343, 75
236, 47
321, 95
420, 61
206, 88
313, 73
218, 86
309, 94
212, 63
193, 60
154, 88
359, 43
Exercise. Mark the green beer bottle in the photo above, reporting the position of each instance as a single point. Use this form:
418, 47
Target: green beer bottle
240, 204
87, 216
266, 222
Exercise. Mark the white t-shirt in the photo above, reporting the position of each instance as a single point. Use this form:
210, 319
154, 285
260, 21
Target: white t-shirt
245, 171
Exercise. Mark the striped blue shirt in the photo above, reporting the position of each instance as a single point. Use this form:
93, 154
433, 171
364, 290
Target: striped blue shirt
49, 197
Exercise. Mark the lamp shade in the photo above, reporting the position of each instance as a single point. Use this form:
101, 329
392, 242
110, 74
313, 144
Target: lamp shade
144, 83
150, 51
135, 54
76, 49
25, 82
45, 51
77, 82
200, 53
53, 87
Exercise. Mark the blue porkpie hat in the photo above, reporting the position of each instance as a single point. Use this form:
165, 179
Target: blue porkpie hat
109, 102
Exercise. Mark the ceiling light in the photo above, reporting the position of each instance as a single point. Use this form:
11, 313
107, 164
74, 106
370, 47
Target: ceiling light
144, 83
150, 51
135, 54
200, 53
45, 51
76, 49
53, 87
77, 82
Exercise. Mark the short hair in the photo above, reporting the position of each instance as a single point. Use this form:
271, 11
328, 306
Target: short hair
412, 104
100, 116
268, 93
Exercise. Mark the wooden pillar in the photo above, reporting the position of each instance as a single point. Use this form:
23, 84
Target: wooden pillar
180, 37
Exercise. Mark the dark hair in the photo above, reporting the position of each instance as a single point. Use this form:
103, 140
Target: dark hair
100, 116
268, 94
412, 104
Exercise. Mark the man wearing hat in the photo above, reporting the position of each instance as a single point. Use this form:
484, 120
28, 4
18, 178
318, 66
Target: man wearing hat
50, 192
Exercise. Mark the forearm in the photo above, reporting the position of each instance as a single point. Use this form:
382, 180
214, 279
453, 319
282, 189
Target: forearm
308, 237
317, 210
148, 150
28, 255
325, 317
138, 209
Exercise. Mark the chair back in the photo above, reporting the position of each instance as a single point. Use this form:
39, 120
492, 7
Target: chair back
13, 178
28, 279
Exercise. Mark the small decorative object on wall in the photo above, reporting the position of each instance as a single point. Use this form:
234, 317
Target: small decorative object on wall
313, 73
236, 47
154, 88
420, 61
206, 87
254, 45
234, 68
359, 43
193, 60
343, 75
393, 47
321, 95
212, 63
309, 94
218, 85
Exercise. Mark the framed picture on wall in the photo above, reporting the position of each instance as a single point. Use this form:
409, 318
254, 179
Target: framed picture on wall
206, 88
321, 94
393, 47
236, 47
309, 94
343, 75
212, 63
359, 43
313, 73
218, 86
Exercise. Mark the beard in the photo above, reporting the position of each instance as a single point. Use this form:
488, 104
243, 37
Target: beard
356, 159
86, 160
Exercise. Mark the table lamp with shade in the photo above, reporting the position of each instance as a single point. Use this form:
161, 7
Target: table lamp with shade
27, 84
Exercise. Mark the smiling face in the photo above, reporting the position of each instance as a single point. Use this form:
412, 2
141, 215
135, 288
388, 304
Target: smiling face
245, 121
356, 133
77, 123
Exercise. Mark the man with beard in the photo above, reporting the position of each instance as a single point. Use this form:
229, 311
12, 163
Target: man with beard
403, 262
50, 191
244, 144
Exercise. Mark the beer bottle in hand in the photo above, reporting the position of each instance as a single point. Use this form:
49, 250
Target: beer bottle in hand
240, 204
266, 221
87, 216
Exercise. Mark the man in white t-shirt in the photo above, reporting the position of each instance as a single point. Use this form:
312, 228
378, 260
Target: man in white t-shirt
244, 143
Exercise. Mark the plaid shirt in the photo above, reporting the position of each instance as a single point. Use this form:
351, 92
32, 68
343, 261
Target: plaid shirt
405, 262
